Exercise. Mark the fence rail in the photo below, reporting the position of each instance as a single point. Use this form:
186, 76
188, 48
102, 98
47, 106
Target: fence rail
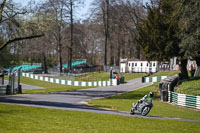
184, 100
153, 79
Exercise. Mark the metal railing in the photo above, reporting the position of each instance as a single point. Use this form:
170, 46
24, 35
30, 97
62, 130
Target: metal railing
14, 86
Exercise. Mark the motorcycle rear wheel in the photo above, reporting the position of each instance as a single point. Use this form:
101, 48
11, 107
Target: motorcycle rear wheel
132, 111
145, 111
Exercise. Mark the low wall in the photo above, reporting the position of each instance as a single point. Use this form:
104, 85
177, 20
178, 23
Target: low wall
153, 79
166, 85
69, 82
184, 100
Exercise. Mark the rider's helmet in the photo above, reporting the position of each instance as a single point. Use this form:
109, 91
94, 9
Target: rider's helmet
151, 94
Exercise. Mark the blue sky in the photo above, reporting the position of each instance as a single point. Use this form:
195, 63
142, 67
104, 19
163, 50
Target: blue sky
81, 12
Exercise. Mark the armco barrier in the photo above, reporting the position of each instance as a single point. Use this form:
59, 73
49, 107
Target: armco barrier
68, 82
153, 79
184, 100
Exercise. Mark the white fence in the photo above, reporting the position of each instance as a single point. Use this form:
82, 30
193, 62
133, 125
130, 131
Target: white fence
69, 82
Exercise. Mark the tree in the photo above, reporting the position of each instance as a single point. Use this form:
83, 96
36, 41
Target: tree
7, 15
158, 34
55, 12
134, 14
71, 4
189, 24
119, 33
100, 12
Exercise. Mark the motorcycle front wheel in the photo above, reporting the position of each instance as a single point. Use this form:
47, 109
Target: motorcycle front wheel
145, 111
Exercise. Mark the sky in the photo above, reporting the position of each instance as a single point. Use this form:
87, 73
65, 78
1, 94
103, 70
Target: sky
81, 12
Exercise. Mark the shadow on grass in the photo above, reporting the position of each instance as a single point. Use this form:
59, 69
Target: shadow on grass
191, 79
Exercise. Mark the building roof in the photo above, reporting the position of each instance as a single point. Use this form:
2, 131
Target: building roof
140, 60
123, 62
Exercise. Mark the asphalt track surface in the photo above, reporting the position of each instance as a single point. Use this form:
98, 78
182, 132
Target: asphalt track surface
77, 100
24, 86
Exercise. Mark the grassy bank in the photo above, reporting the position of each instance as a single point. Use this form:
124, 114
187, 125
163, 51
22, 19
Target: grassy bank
20, 119
191, 87
124, 102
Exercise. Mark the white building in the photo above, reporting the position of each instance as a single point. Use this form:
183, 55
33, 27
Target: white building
123, 67
139, 66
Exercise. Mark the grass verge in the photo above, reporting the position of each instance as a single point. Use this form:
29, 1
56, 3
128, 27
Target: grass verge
124, 102
165, 73
130, 76
100, 76
48, 87
21, 119
89, 77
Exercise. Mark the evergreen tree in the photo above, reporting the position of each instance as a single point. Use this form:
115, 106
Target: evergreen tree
188, 13
157, 33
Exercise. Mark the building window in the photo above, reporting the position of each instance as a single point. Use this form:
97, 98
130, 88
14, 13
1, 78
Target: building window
154, 64
135, 64
129, 64
132, 64
141, 64
147, 64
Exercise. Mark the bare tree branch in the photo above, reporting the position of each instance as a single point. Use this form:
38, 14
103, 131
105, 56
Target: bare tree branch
18, 39
10, 17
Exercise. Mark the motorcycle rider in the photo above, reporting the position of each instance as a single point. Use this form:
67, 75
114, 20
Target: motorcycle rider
147, 97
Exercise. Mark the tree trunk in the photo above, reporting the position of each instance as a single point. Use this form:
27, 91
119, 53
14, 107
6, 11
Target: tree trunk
138, 51
71, 37
45, 63
123, 52
60, 60
106, 29
184, 72
118, 55
197, 60
111, 55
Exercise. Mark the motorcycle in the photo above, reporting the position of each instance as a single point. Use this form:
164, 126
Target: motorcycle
143, 108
